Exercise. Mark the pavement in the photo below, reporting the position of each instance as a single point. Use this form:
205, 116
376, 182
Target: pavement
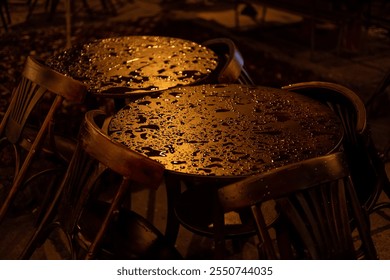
276, 51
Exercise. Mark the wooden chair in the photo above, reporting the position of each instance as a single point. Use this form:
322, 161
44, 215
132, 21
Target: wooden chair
28, 124
316, 202
231, 68
367, 168
100, 166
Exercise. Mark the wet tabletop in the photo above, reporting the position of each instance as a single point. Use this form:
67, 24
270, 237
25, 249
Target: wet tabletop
136, 64
226, 130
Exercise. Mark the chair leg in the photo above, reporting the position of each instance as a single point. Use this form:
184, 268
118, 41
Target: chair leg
31, 8
53, 8
151, 205
8, 14
312, 37
218, 222
173, 189
45, 204
237, 14
102, 230
385, 187
87, 7
5, 6
5, 25
6, 19
42, 230
107, 5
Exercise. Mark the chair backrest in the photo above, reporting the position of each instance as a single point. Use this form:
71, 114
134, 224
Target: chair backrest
316, 201
346, 103
37, 81
367, 169
231, 68
120, 159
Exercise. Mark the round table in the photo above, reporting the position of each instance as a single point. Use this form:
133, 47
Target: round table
226, 130
208, 136
117, 67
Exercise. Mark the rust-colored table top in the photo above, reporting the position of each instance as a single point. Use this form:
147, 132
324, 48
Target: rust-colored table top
226, 130
136, 64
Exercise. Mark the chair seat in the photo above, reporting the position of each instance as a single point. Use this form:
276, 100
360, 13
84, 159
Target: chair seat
129, 236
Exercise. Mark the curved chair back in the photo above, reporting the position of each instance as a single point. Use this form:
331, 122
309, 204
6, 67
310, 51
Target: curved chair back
97, 157
129, 164
36, 81
367, 169
231, 67
38, 96
346, 103
316, 201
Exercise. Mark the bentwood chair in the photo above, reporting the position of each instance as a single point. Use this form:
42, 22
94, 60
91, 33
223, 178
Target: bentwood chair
367, 169
316, 202
27, 128
231, 68
95, 223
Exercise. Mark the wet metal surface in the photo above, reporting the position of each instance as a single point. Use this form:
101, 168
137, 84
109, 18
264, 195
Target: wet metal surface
136, 64
223, 130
